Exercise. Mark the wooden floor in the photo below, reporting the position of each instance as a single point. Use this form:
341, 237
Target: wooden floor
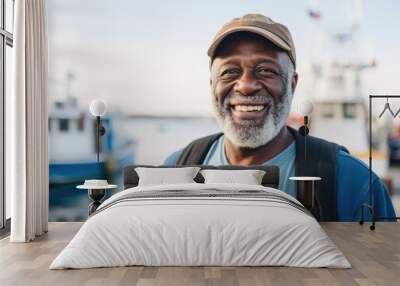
375, 257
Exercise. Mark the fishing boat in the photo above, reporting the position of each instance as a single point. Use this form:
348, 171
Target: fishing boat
72, 145
336, 89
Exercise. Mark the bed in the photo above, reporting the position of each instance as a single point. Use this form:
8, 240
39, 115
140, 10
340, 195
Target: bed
201, 224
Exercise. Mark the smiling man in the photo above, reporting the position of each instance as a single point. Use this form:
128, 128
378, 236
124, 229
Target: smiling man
253, 79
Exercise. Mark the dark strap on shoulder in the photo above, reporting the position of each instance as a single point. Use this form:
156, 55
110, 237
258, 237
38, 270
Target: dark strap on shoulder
196, 151
320, 161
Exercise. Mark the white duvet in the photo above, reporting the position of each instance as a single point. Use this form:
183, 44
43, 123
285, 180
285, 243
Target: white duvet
183, 231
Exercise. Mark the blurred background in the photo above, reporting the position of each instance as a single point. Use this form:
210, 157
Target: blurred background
147, 60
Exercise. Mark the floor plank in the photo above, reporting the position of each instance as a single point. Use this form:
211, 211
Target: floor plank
375, 257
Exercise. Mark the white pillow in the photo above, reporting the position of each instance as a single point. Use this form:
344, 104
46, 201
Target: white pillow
249, 177
162, 176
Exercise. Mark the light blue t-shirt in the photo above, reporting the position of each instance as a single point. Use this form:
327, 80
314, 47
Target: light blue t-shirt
285, 160
351, 185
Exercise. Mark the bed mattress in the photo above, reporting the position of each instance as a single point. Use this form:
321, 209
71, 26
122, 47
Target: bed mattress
201, 225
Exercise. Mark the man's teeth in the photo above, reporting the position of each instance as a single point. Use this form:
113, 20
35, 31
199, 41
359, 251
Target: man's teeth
248, 108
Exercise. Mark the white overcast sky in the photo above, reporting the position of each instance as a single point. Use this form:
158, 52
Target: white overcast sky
149, 57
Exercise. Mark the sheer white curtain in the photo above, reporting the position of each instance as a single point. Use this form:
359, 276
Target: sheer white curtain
26, 119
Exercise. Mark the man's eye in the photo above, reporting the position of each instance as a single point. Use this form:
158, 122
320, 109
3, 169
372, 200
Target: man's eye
231, 72
266, 71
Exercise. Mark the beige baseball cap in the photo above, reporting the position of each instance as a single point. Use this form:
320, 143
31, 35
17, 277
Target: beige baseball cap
261, 25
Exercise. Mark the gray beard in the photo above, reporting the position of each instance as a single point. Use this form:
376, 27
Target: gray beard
250, 134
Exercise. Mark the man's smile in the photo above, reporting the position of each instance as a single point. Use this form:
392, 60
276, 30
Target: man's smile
248, 108
248, 111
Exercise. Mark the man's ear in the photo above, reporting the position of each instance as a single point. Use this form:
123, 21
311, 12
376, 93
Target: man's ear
212, 71
295, 77
211, 74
